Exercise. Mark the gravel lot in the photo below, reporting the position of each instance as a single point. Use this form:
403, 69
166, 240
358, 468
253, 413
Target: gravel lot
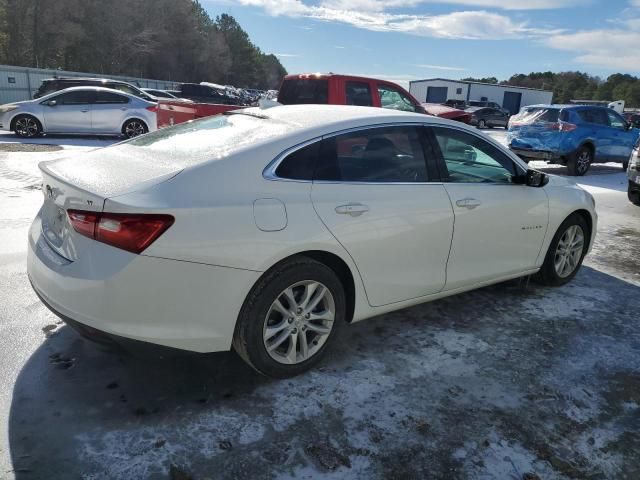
514, 381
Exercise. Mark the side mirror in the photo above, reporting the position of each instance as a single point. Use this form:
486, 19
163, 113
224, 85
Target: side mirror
534, 178
52, 103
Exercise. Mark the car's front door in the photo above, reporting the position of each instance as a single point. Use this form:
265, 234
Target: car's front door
109, 112
371, 189
69, 112
623, 138
499, 225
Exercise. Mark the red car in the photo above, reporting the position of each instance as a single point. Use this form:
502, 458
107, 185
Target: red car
444, 111
334, 89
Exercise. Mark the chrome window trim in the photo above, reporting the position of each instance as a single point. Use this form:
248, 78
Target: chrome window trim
269, 171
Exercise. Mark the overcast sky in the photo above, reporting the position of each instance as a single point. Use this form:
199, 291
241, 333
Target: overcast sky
403, 40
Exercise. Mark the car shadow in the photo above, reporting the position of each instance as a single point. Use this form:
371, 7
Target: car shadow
74, 402
62, 140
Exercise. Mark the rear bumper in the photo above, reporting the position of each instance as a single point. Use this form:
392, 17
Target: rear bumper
113, 293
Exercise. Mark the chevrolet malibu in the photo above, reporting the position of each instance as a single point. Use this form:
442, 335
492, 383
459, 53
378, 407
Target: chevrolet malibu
268, 230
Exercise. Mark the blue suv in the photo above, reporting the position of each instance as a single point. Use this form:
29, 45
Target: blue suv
572, 135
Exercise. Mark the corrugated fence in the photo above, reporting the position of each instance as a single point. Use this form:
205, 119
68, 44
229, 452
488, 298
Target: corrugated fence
20, 83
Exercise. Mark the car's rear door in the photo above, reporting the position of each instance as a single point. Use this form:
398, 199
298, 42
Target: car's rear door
372, 191
109, 112
499, 225
71, 112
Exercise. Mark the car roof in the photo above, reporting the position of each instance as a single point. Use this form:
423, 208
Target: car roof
84, 79
320, 76
560, 106
90, 87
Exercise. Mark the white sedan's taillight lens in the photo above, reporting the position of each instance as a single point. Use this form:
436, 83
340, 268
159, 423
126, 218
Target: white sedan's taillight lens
129, 231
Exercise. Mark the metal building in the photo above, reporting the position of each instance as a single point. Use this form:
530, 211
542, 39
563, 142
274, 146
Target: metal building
439, 90
20, 83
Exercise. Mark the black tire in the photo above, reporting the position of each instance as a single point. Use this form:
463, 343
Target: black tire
548, 274
26, 126
633, 193
579, 162
482, 124
248, 337
134, 127
625, 165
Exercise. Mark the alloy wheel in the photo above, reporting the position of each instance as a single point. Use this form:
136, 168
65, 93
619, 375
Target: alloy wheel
299, 322
482, 124
583, 161
133, 129
27, 127
569, 251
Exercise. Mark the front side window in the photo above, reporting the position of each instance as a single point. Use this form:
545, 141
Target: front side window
82, 97
358, 93
615, 120
470, 159
380, 155
392, 98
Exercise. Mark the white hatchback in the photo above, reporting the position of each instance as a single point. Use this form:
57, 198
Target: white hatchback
269, 229
81, 110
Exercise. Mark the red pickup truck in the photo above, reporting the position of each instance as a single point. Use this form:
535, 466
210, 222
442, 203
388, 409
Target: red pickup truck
334, 89
315, 88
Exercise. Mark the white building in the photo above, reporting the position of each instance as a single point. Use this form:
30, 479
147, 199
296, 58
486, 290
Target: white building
439, 90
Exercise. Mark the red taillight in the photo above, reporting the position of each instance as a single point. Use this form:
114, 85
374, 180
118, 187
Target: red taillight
129, 231
562, 126
153, 108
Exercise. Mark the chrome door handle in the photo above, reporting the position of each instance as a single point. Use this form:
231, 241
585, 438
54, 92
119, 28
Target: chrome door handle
469, 203
353, 209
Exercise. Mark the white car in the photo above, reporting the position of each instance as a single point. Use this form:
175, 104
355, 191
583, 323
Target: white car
81, 110
269, 229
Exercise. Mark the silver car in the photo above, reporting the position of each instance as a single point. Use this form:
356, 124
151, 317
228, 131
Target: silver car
81, 110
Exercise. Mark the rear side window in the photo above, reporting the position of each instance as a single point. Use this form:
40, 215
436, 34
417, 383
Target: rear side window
358, 93
299, 164
593, 115
380, 155
108, 97
304, 90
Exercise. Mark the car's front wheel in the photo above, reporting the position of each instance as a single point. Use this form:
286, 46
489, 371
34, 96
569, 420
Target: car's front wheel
580, 161
27, 126
290, 317
482, 124
566, 251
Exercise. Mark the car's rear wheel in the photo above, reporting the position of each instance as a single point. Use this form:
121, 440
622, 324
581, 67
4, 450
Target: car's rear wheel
482, 124
579, 163
134, 127
27, 126
290, 317
566, 251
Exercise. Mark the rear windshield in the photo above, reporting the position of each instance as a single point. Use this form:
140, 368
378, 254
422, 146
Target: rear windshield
304, 90
206, 139
537, 115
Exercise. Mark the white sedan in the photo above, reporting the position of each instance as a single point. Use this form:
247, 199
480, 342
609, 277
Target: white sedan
81, 110
269, 229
